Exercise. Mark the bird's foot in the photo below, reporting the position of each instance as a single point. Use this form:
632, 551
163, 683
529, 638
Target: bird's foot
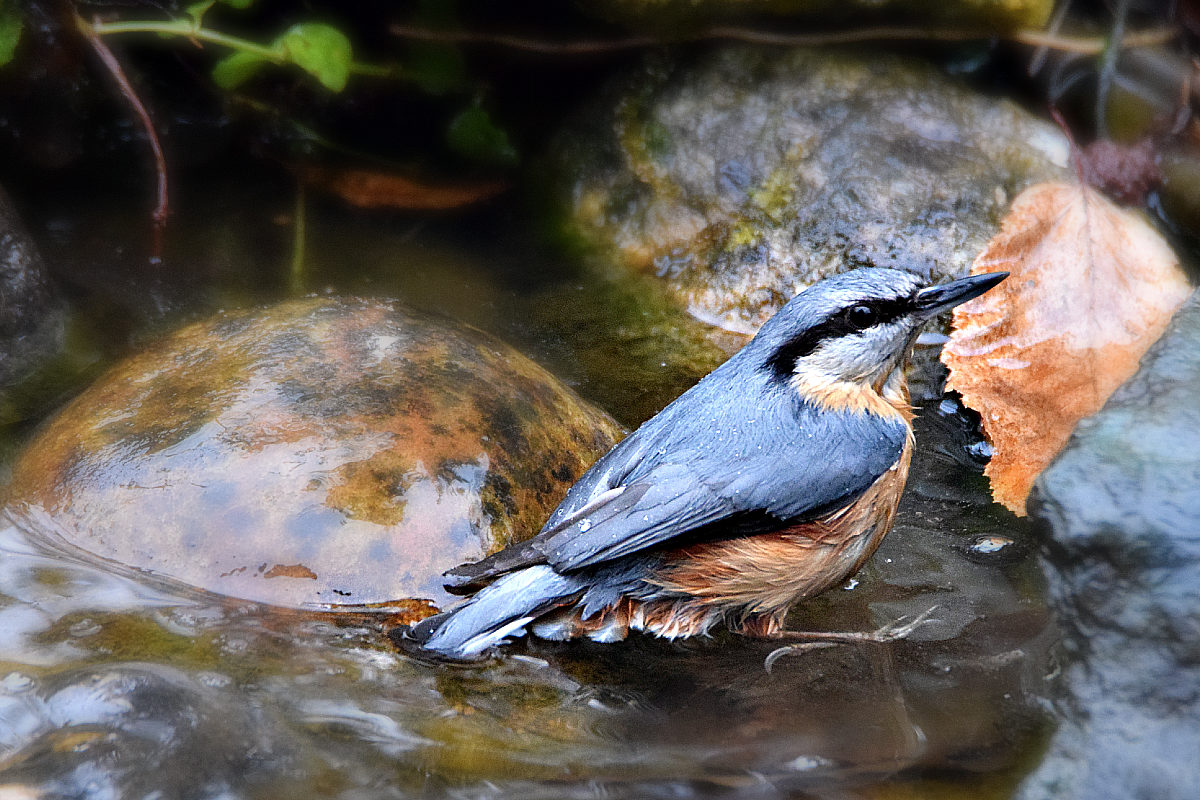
813, 640
791, 649
902, 627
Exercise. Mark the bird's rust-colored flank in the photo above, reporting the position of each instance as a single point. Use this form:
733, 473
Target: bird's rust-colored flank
753, 580
749, 583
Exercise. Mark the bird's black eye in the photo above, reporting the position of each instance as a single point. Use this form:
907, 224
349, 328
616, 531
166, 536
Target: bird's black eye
861, 316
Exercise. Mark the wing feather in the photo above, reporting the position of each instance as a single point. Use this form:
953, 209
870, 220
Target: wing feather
747, 468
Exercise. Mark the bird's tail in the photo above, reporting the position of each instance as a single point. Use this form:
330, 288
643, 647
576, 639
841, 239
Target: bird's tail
500, 609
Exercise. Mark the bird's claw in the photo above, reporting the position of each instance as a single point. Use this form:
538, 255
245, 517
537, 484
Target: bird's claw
900, 628
789, 649
897, 629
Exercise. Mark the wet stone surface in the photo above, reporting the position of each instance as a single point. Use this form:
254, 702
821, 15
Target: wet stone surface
114, 674
1123, 513
314, 453
746, 175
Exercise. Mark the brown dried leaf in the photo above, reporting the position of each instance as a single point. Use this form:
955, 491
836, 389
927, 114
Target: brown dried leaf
366, 189
1092, 286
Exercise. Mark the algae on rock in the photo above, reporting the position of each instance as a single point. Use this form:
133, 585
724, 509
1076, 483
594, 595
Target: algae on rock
746, 176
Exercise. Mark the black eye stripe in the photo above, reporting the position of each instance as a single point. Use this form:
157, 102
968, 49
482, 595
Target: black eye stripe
861, 316
838, 324
888, 310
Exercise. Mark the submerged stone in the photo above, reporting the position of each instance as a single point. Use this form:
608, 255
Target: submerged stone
1122, 503
744, 177
321, 452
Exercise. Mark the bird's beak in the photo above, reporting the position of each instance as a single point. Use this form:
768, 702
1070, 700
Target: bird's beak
936, 299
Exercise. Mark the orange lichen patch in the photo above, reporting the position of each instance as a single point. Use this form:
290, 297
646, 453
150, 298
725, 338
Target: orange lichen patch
290, 571
373, 489
1092, 287
404, 612
450, 415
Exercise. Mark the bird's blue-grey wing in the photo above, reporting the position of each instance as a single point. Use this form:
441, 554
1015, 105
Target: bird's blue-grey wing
736, 476
668, 501
834, 457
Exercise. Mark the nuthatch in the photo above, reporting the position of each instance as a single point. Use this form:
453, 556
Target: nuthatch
771, 480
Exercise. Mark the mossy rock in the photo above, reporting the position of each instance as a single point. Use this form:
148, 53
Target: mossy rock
743, 176
318, 453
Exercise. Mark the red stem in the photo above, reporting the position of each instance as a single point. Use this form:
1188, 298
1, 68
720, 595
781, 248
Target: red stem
1076, 153
162, 209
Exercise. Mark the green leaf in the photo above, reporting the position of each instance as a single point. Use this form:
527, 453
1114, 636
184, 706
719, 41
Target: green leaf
197, 10
10, 31
321, 50
473, 134
235, 69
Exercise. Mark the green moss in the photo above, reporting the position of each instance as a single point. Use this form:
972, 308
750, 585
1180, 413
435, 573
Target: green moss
775, 195
656, 140
829, 182
52, 577
125, 637
744, 234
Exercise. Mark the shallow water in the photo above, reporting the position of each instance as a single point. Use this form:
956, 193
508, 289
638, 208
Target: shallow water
113, 686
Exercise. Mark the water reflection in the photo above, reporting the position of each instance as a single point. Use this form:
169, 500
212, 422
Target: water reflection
111, 686
114, 686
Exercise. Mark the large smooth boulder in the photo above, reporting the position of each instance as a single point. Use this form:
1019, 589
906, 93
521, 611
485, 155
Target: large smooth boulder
317, 453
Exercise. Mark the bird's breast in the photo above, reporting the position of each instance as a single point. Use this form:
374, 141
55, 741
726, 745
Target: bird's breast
887, 399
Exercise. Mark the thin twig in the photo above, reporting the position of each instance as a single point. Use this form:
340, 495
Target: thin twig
1183, 114
194, 31
580, 47
1038, 60
1108, 66
189, 28
1041, 39
162, 209
1076, 153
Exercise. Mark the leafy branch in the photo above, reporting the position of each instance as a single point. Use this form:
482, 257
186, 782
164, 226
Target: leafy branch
319, 49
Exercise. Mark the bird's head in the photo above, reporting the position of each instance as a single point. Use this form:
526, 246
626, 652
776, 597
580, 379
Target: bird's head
853, 331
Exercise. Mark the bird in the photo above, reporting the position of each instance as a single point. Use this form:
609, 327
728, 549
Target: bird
771, 480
